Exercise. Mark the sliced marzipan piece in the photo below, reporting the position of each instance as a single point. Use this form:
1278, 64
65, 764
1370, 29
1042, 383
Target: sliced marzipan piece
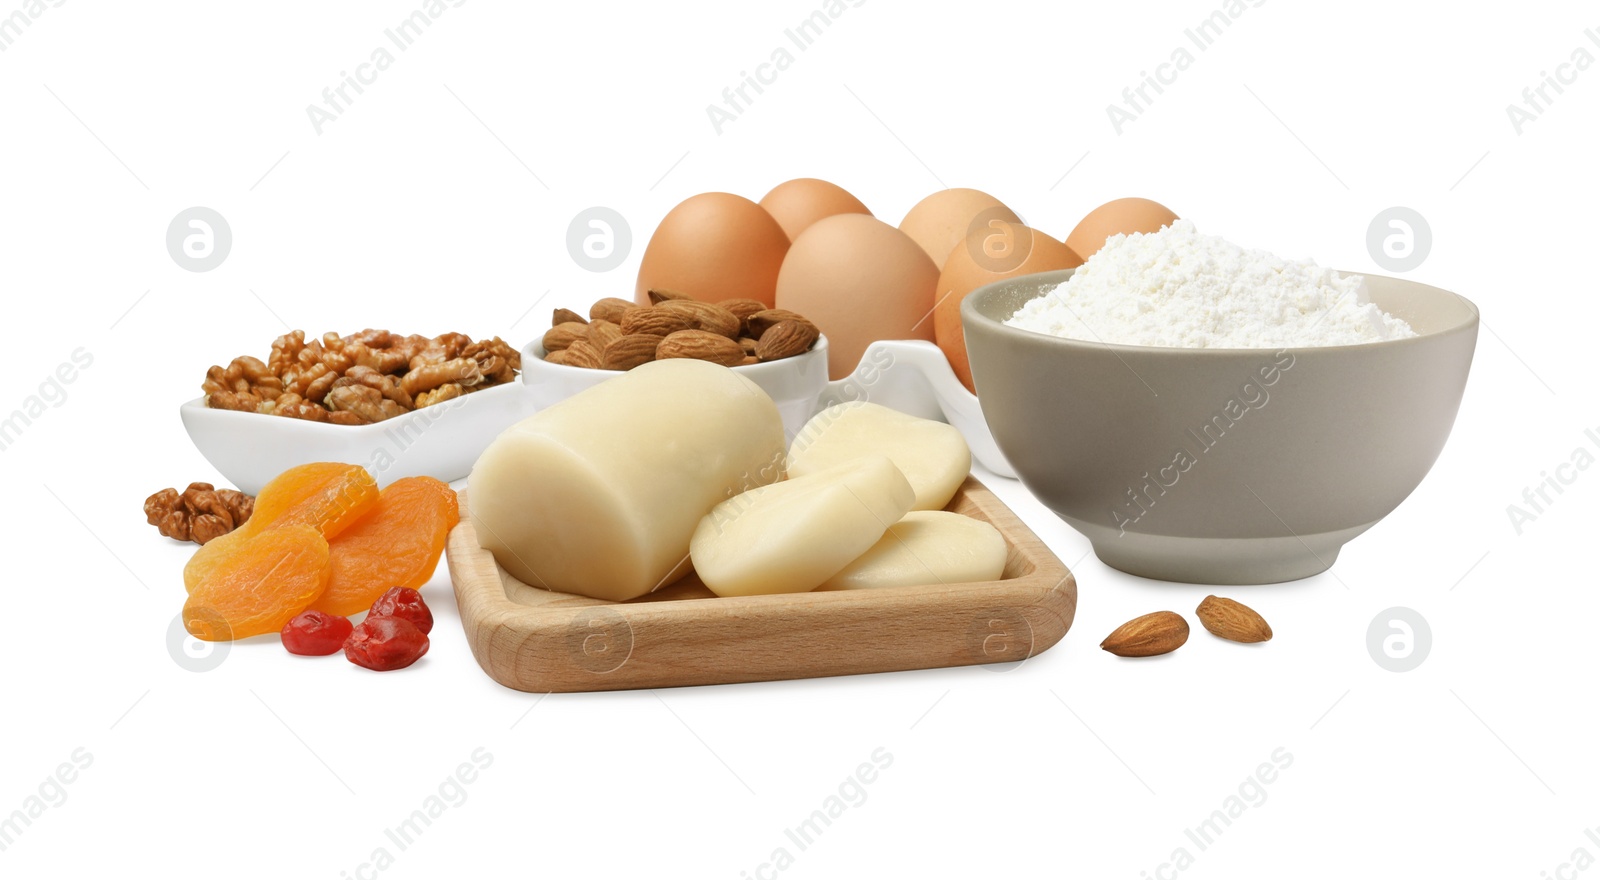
933, 455
927, 547
791, 536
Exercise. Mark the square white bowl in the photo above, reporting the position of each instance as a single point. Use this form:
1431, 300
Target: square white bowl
441, 441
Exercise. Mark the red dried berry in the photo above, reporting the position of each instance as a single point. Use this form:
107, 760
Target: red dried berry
315, 633
406, 603
385, 643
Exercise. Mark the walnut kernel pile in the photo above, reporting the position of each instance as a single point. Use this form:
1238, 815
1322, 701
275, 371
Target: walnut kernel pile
362, 378
200, 513
621, 335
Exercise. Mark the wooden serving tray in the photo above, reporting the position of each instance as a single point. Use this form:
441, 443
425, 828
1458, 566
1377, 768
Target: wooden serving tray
534, 639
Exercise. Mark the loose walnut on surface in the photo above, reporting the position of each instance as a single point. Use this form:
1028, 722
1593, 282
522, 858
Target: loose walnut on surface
200, 513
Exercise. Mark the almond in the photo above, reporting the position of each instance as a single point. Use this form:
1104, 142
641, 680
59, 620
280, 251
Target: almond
748, 344
566, 316
563, 335
786, 339
749, 360
1232, 620
656, 321
660, 295
627, 352
743, 309
701, 345
704, 316
556, 357
611, 309
1160, 632
602, 333
764, 319
583, 354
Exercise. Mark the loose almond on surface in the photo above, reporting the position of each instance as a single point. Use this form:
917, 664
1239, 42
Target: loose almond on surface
1232, 620
1159, 632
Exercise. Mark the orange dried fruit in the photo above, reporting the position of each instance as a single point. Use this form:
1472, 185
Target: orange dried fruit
326, 495
260, 587
396, 545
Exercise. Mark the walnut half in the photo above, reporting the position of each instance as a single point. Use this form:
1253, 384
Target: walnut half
200, 513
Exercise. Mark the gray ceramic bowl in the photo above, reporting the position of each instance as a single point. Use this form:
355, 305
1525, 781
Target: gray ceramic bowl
1221, 466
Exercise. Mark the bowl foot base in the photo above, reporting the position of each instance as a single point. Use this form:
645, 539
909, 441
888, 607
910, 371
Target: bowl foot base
1226, 561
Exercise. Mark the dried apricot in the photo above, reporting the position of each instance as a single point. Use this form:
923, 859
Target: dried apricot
326, 495
260, 587
396, 545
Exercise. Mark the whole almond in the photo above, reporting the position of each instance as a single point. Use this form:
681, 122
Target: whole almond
659, 295
656, 321
583, 354
762, 320
748, 344
566, 316
743, 309
704, 316
786, 339
627, 352
602, 333
749, 359
556, 357
563, 335
701, 345
1232, 620
611, 309
1160, 632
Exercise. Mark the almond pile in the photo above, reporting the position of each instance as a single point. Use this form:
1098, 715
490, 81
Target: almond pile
621, 335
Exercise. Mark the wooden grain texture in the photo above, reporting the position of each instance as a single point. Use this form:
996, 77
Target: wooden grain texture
534, 639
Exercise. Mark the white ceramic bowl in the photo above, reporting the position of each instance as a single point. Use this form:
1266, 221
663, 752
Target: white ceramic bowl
915, 378
906, 375
793, 383
441, 441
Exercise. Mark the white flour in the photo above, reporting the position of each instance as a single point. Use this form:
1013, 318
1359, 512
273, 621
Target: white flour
1177, 288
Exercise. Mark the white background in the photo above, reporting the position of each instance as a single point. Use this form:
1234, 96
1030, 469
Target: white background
440, 200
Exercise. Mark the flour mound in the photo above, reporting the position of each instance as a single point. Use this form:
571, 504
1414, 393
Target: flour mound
1176, 288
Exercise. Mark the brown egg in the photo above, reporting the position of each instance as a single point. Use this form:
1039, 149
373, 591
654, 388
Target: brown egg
798, 203
940, 221
714, 246
1005, 250
859, 280
1123, 216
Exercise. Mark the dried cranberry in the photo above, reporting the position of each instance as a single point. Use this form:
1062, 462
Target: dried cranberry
385, 643
406, 603
315, 633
